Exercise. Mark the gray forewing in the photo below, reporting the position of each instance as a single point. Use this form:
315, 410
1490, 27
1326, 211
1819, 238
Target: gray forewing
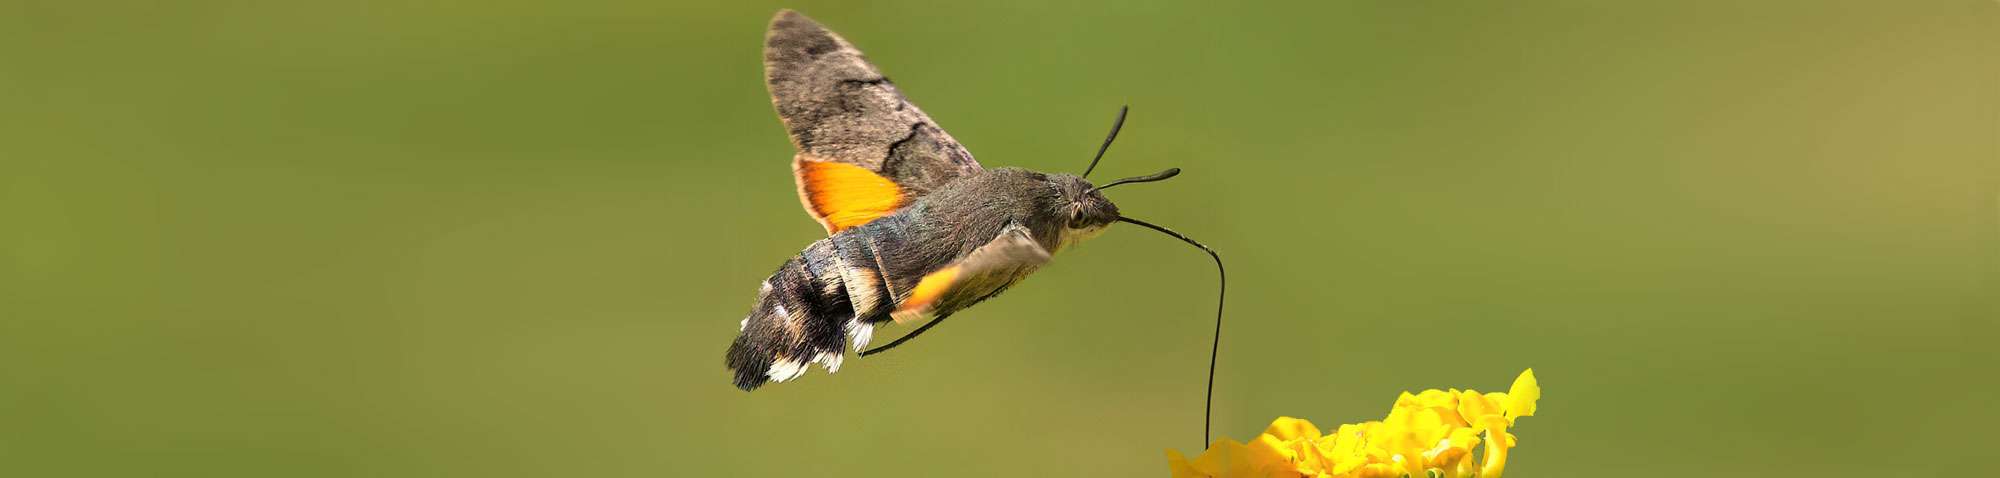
838, 107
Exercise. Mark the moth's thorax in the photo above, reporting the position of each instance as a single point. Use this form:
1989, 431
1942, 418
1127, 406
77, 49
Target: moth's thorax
1058, 209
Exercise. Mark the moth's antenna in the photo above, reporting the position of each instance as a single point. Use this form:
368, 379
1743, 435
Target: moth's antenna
1159, 176
1221, 292
1120, 123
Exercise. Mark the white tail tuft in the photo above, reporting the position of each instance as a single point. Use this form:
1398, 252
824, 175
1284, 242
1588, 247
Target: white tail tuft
786, 369
860, 333
830, 360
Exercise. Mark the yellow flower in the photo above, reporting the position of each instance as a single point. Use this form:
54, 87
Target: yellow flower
1431, 432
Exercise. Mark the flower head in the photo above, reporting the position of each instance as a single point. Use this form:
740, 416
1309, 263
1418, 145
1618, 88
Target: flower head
1435, 432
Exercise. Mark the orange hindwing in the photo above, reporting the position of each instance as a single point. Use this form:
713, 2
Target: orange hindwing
841, 195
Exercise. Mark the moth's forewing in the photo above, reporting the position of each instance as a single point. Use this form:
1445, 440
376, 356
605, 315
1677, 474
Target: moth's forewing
838, 108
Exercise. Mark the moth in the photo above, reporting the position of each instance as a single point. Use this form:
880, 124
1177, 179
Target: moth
917, 230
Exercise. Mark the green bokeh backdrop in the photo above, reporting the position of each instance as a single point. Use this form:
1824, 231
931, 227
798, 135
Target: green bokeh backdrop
513, 238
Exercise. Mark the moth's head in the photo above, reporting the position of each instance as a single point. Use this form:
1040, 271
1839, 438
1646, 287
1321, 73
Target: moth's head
1082, 207
1085, 210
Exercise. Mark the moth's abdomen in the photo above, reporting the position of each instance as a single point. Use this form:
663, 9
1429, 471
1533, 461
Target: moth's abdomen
807, 311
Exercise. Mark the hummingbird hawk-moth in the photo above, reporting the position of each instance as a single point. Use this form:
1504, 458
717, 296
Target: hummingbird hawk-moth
917, 230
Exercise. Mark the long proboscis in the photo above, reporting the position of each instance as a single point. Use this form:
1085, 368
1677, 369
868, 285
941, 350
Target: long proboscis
1215, 346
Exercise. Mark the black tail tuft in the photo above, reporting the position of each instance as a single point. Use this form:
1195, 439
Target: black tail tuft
750, 363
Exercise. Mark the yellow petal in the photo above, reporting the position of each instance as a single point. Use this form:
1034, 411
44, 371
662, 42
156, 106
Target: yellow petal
1431, 428
1472, 406
1271, 449
1465, 438
1412, 466
1446, 402
1450, 450
1393, 436
1179, 467
1215, 460
1378, 470
1433, 425
1308, 459
1406, 400
1348, 450
1438, 399
1288, 429
1268, 456
1465, 468
1522, 396
1496, 448
1406, 434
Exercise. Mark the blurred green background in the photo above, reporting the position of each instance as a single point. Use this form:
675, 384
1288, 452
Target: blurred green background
514, 238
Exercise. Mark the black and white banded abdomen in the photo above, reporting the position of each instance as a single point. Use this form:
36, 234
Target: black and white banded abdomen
828, 296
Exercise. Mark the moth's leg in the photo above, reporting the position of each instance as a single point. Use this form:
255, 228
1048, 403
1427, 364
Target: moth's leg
921, 329
905, 338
